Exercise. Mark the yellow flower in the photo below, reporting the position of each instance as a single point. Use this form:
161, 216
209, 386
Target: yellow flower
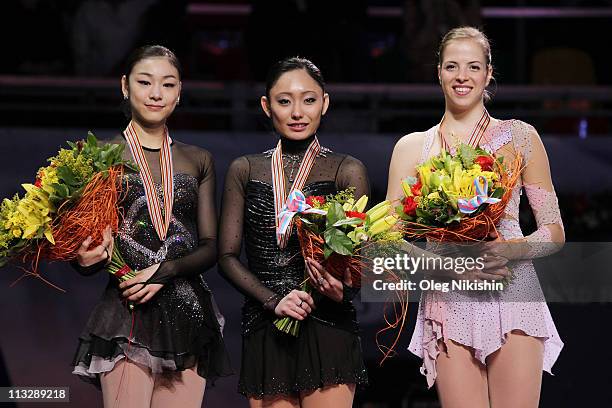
348, 204
80, 165
425, 172
434, 196
28, 217
49, 177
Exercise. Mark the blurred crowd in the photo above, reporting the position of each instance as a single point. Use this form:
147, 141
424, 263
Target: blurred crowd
86, 38
93, 37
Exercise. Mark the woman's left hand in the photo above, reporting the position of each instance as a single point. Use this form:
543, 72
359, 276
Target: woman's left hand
137, 290
324, 282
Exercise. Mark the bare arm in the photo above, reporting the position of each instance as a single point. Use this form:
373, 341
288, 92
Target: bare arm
406, 154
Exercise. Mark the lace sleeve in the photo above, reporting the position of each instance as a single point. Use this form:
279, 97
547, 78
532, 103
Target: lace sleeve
230, 237
537, 182
87, 270
205, 254
352, 173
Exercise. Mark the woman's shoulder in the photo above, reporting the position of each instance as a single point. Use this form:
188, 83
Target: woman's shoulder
412, 142
190, 149
115, 139
520, 132
411, 138
346, 160
239, 166
515, 126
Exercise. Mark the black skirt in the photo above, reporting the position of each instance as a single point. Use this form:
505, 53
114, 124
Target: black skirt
177, 329
275, 363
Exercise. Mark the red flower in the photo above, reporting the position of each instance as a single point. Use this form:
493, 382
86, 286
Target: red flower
410, 206
485, 162
314, 201
355, 214
416, 188
39, 176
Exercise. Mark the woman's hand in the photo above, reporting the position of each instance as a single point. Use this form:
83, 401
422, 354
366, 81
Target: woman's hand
500, 247
137, 289
325, 283
495, 262
297, 304
103, 252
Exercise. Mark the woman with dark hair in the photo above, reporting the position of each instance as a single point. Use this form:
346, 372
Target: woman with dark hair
161, 353
322, 365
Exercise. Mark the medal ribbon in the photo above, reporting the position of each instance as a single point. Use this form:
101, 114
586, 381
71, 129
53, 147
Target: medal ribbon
278, 184
477, 132
160, 221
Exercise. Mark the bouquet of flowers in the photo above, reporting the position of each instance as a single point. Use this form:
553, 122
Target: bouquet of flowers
457, 197
333, 230
76, 196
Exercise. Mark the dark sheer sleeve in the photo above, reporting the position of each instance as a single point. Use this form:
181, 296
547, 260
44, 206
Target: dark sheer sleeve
87, 270
352, 173
205, 254
230, 237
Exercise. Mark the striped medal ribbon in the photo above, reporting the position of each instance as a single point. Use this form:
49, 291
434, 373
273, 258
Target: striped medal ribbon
161, 222
477, 132
278, 183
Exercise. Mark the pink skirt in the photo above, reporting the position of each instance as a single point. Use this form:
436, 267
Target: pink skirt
483, 321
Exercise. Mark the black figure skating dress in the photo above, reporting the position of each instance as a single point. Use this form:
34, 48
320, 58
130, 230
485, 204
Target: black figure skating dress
327, 350
179, 327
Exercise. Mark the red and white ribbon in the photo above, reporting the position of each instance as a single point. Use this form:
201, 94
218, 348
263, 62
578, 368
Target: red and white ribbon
477, 132
278, 184
160, 221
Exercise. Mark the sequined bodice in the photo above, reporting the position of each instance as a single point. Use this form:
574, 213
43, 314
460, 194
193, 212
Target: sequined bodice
138, 241
280, 269
248, 220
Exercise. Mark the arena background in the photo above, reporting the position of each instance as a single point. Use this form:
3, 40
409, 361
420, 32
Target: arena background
59, 78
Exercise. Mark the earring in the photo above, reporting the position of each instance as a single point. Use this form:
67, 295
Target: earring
178, 101
125, 97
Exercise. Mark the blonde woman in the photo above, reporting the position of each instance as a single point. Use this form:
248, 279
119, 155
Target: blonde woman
488, 351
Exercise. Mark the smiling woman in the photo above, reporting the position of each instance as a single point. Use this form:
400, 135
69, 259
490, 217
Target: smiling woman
296, 102
323, 364
483, 350
151, 87
465, 69
171, 343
